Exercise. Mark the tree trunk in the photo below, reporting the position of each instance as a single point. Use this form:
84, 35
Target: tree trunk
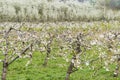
47, 56
46, 61
70, 70
116, 72
67, 76
4, 71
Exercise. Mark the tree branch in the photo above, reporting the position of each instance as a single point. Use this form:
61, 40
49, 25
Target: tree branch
23, 52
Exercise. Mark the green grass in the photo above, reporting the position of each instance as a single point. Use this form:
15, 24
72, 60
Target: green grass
56, 70
36, 71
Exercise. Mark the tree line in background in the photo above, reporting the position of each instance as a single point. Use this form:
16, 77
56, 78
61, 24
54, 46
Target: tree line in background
59, 10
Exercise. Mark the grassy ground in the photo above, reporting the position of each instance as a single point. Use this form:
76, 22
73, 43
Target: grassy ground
56, 70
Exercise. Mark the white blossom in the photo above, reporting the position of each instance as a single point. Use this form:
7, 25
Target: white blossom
73, 61
0, 60
87, 63
101, 36
113, 58
67, 60
107, 69
111, 35
19, 54
28, 62
93, 42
